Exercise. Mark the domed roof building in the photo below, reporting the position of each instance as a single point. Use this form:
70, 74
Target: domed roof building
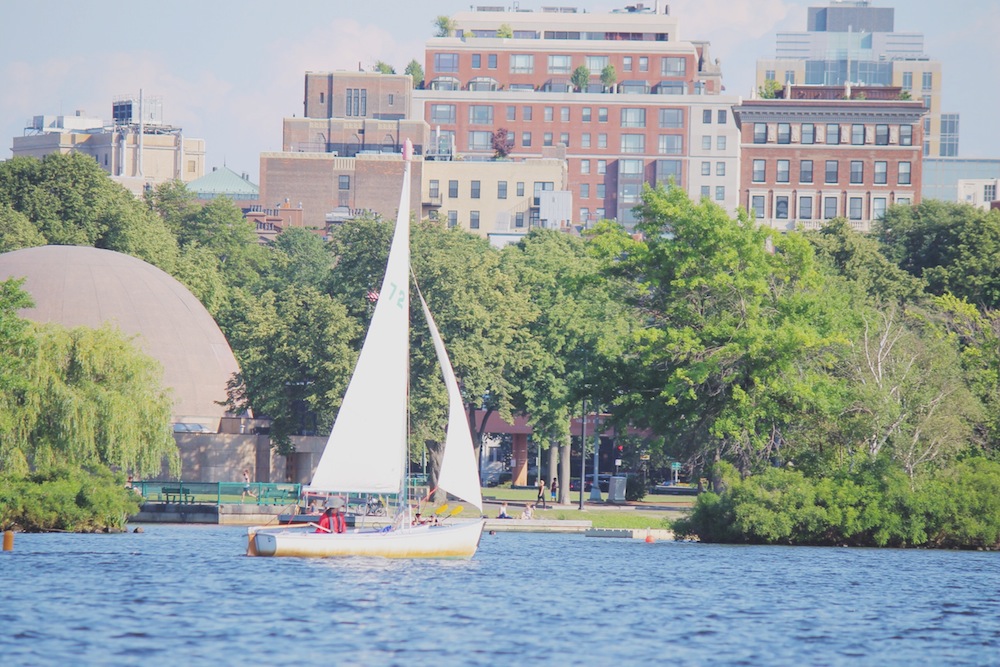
82, 286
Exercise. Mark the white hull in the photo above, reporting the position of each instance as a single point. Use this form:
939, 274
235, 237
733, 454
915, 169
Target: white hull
452, 540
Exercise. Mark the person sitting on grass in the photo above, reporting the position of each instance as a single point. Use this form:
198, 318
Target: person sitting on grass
529, 512
503, 511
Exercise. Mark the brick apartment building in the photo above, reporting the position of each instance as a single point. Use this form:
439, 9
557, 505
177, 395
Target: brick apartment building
816, 156
663, 117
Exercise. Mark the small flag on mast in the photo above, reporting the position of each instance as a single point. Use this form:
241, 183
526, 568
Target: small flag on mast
372, 295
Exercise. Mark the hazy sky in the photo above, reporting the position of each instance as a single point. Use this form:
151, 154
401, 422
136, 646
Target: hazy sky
228, 71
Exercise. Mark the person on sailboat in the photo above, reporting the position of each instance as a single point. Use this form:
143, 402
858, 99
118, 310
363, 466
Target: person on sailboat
332, 521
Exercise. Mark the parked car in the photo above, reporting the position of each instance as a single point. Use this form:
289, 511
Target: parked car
603, 482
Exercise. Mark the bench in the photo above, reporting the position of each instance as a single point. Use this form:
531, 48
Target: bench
178, 494
277, 496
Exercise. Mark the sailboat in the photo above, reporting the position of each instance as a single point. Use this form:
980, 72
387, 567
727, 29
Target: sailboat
367, 450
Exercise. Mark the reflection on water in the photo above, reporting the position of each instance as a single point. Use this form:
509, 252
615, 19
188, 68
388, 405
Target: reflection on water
186, 594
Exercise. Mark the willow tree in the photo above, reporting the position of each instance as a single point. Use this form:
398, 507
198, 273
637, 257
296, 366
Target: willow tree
88, 396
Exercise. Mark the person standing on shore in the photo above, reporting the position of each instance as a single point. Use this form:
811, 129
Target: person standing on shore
555, 490
246, 487
541, 491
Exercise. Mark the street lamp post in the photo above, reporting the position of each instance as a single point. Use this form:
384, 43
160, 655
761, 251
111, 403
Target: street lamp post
595, 487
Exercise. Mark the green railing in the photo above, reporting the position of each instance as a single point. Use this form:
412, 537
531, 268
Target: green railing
218, 493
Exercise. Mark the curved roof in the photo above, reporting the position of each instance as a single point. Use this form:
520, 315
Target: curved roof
81, 286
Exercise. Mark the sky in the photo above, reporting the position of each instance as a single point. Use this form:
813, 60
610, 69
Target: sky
229, 71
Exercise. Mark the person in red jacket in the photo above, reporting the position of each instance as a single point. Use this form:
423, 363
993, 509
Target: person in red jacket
326, 522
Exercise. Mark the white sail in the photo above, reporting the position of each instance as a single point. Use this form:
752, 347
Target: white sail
458, 475
366, 450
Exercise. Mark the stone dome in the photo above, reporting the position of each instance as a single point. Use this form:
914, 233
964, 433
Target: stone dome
82, 286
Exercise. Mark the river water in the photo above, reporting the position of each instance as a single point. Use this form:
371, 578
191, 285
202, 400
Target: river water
187, 595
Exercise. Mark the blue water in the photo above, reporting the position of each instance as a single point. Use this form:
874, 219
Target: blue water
186, 595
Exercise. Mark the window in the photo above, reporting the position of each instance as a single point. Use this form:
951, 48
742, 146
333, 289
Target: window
473, 219
857, 172
806, 171
560, 64
480, 114
491, 61
907, 80
784, 133
831, 172
667, 171
720, 168
721, 119
584, 166
671, 144
602, 166
990, 192
783, 169
673, 66
584, 214
878, 208
602, 114
627, 63
808, 133
344, 181
720, 192
596, 64
446, 62
829, 208
903, 201
443, 113
357, 102
474, 189
927, 82
904, 173
758, 206
564, 114
585, 140
854, 206
881, 135
480, 140
548, 114
881, 170
547, 139
564, 139
857, 135
519, 219
832, 134
452, 219
585, 114
434, 188
631, 143
453, 189
671, 118
602, 140
706, 191
633, 118
643, 64
521, 63
706, 116
760, 133
721, 143
501, 189
905, 135
584, 190
477, 61
805, 208
759, 171
520, 188
706, 168
706, 143
598, 214
790, 76
601, 190
526, 139
781, 208
511, 113
526, 113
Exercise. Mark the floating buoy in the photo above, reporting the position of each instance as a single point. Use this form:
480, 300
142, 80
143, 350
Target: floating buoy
649, 537
8, 540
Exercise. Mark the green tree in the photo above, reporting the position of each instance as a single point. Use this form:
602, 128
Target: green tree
769, 90
609, 77
445, 26
502, 141
16, 231
383, 67
505, 31
295, 355
580, 78
416, 71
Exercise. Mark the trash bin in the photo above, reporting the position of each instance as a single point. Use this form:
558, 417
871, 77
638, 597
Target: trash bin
616, 490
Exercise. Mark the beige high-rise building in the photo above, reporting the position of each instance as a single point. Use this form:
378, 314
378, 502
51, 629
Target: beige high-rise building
136, 147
